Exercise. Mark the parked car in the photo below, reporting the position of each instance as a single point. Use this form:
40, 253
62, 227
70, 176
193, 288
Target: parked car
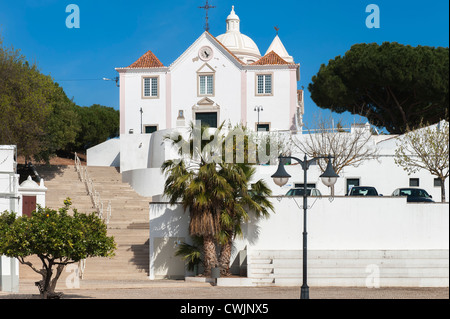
313, 192
414, 195
363, 191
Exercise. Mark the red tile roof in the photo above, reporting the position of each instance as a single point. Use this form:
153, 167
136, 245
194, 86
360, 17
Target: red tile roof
148, 60
270, 58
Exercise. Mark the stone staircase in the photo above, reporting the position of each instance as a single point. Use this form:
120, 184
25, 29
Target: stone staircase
129, 222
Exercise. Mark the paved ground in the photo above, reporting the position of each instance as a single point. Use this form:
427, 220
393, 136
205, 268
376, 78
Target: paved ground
173, 289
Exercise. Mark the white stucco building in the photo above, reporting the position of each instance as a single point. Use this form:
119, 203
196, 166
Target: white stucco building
21, 199
9, 201
216, 79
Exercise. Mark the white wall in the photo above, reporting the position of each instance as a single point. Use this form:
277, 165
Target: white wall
353, 223
276, 107
168, 226
134, 151
370, 227
9, 181
227, 79
7, 158
9, 201
153, 109
146, 181
104, 154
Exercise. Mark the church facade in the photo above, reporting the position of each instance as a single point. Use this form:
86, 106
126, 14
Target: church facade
217, 79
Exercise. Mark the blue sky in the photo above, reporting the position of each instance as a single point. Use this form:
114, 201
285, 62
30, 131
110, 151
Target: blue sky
115, 33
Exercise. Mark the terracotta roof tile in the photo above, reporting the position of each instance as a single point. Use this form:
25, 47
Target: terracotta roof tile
270, 58
148, 60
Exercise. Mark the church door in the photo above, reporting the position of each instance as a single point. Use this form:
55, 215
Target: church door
28, 205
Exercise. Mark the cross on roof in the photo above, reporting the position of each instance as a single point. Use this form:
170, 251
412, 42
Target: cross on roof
207, 7
277, 29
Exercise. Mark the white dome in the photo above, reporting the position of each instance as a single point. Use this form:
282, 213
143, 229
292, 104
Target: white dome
239, 44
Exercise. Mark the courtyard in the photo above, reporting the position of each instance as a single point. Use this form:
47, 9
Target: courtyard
179, 289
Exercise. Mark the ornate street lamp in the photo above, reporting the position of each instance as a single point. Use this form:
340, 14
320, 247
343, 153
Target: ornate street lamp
329, 178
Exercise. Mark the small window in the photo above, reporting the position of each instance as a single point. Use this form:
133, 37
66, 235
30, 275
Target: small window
206, 84
414, 182
437, 182
264, 84
150, 87
150, 129
265, 127
352, 182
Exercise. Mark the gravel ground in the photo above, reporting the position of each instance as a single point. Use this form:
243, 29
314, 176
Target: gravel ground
173, 289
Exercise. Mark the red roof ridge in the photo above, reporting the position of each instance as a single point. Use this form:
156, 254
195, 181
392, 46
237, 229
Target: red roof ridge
271, 58
148, 60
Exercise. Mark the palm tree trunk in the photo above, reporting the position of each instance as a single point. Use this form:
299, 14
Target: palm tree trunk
209, 253
224, 258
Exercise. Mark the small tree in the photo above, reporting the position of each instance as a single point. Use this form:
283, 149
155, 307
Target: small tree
57, 238
391, 84
348, 148
425, 148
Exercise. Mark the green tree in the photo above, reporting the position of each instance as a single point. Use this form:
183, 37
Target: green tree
393, 85
23, 103
425, 148
97, 124
247, 197
217, 194
202, 191
62, 126
35, 113
57, 238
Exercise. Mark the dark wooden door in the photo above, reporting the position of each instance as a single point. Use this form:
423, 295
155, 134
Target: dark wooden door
28, 205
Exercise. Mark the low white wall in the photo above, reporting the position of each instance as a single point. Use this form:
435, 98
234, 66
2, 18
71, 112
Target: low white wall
344, 225
104, 154
140, 151
383, 223
168, 227
146, 181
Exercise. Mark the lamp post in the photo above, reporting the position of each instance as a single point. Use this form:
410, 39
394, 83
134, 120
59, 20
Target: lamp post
116, 79
258, 109
140, 110
328, 177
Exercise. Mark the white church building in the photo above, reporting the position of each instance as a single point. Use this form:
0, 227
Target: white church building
223, 79
216, 79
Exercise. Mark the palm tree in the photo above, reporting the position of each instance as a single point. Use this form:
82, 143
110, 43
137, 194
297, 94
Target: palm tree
196, 183
218, 195
246, 197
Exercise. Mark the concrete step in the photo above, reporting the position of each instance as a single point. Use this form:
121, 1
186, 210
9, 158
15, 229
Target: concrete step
129, 223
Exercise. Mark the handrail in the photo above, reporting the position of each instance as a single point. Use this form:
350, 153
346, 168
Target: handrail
84, 177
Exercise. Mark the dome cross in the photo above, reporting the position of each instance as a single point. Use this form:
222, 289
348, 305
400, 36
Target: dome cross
207, 7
